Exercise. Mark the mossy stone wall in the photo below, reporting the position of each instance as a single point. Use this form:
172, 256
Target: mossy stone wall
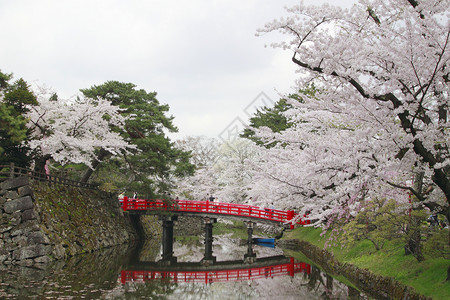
39, 221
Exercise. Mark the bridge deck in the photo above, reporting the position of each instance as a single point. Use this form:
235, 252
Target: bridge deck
211, 209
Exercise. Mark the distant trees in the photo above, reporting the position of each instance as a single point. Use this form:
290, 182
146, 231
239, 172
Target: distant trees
203, 150
223, 170
268, 117
234, 166
274, 118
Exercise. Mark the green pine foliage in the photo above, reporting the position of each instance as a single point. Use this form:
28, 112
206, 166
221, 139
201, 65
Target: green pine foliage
149, 168
18, 95
12, 129
14, 101
274, 117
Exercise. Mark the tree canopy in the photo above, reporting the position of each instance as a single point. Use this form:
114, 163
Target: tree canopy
15, 100
155, 158
113, 129
73, 131
381, 114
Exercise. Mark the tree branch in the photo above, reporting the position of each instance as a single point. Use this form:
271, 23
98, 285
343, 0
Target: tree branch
408, 188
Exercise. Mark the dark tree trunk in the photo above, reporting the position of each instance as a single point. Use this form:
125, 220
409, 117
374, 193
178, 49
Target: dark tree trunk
448, 274
414, 247
103, 154
39, 163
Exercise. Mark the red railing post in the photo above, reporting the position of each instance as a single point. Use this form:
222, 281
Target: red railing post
125, 203
290, 216
123, 277
291, 267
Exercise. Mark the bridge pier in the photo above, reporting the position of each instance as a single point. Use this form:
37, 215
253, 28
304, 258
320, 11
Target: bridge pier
208, 258
167, 240
250, 257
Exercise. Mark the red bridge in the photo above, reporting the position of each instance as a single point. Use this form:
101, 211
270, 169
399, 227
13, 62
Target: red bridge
212, 209
211, 276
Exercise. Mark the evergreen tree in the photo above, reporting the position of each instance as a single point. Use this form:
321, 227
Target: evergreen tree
274, 118
149, 167
14, 101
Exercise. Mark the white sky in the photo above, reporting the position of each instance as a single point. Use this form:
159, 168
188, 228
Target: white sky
201, 56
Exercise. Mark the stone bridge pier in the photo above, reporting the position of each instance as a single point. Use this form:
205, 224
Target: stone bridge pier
168, 257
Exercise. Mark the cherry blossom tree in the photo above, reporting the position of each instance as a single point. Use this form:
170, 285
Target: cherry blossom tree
72, 131
223, 170
199, 186
203, 149
233, 168
380, 116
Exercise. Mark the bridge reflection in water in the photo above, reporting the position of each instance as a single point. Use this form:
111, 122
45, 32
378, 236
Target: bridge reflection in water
208, 269
239, 271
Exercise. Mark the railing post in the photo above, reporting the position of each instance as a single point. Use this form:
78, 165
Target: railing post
290, 216
291, 267
125, 203
11, 170
123, 277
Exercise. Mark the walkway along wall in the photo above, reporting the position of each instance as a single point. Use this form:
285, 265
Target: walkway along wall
39, 221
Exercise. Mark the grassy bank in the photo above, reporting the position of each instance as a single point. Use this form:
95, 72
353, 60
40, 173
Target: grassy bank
427, 277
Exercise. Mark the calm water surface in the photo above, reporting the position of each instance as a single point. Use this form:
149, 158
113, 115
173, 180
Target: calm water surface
100, 275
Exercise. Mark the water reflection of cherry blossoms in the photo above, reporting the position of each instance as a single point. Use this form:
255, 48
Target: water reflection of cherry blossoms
226, 249
97, 276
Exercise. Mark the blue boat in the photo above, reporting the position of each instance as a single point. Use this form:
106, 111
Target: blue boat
268, 245
263, 240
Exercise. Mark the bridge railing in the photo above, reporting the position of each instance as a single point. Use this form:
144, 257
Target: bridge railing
11, 171
232, 209
217, 275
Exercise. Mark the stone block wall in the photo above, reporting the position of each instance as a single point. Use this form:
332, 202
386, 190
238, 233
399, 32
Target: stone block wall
22, 241
39, 222
188, 226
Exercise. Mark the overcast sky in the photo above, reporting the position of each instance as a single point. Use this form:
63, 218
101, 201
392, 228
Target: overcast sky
201, 56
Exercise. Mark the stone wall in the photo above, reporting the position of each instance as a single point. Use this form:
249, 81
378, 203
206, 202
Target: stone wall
375, 285
39, 222
188, 226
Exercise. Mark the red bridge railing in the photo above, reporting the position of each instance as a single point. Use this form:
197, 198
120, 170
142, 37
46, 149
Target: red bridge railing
217, 275
208, 207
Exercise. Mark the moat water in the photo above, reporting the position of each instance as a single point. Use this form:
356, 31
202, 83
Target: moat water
131, 273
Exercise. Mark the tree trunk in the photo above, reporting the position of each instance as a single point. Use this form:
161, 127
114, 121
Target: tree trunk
414, 247
39, 163
413, 244
448, 274
103, 154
